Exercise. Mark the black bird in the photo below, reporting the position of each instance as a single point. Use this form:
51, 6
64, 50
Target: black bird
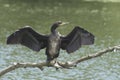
54, 42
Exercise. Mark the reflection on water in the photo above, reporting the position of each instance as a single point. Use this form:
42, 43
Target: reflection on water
102, 19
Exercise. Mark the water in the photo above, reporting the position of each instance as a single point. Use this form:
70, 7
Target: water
100, 18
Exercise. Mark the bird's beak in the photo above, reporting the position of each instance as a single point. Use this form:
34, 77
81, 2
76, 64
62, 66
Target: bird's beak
64, 23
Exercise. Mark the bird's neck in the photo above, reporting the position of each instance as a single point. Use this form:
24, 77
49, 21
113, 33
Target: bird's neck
53, 29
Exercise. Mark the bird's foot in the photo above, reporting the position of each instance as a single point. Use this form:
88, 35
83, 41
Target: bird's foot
57, 64
54, 63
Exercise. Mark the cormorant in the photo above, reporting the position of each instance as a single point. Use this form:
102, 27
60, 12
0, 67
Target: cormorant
54, 42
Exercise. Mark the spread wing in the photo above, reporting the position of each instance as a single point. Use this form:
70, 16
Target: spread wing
29, 38
77, 37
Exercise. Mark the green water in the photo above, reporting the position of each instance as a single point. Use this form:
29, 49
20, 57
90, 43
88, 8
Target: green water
100, 18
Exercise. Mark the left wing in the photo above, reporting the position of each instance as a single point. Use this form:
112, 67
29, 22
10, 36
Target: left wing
29, 38
77, 37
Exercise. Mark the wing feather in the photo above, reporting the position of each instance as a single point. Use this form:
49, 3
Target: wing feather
87, 38
74, 44
29, 38
77, 37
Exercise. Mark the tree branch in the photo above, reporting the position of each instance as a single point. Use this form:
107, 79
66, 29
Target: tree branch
59, 64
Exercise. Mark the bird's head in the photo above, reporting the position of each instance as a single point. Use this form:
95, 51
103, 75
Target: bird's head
57, 24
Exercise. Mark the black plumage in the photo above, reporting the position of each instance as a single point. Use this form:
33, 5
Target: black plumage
54, 42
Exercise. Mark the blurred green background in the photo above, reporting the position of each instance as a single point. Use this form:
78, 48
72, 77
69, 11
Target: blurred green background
101, 17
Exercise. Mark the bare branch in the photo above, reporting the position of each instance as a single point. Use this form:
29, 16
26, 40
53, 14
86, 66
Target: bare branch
58, 65
21, 65
110, 49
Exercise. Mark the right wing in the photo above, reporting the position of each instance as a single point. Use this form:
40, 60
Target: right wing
29, 38
77, 37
